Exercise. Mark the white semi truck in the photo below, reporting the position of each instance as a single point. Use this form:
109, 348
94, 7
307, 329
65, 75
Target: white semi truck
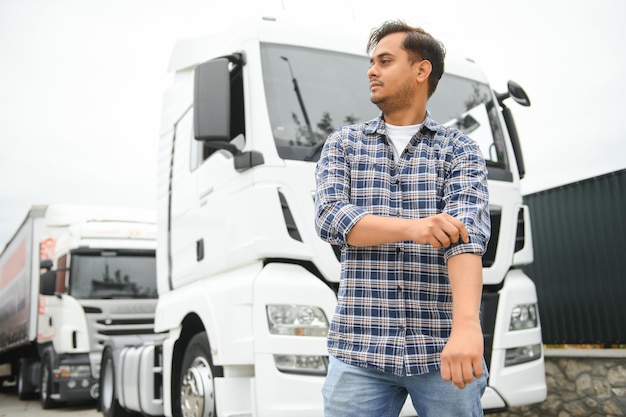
246, 287
98, 280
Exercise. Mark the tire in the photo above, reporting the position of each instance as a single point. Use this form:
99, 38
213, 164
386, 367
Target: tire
25, 388
194, 394
107, 401
45, 384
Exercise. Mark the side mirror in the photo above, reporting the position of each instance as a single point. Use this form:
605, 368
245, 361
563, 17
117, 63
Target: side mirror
46, 264
211, 102
48, 282
516, 92
212, 106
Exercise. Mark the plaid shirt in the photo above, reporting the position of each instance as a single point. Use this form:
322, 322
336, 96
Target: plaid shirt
394, 310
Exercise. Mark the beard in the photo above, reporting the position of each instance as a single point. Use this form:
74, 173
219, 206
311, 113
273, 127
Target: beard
401, 100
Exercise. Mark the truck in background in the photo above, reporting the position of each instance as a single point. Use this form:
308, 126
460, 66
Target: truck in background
98, 280
246, 287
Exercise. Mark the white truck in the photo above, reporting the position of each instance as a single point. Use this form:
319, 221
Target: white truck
246, 287
99, 280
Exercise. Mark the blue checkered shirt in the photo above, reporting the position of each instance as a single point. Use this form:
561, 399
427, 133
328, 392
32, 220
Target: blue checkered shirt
394, 310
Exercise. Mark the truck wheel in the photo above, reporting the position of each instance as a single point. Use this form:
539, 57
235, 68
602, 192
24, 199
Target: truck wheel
45, 383
108, 404
195, 396
25, 388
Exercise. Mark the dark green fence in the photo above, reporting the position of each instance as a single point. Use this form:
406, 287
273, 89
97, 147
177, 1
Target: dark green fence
579, 236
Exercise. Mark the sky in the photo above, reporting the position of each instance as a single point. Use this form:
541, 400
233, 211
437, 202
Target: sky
81, 85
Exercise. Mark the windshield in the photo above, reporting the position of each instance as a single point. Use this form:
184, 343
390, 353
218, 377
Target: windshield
468, 105
312, 92
113, 274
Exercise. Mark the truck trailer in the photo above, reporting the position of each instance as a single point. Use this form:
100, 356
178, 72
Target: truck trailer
71, 277
246, 287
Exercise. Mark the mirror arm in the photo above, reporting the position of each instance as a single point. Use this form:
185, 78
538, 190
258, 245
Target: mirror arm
227, 146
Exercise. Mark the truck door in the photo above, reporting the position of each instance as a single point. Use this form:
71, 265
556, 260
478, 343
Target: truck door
202, 184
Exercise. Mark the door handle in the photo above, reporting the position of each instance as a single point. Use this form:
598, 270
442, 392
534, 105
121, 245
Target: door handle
200, 250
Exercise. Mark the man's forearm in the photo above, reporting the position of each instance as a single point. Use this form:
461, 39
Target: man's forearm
373, 230
440, 231
466, 281
461, 358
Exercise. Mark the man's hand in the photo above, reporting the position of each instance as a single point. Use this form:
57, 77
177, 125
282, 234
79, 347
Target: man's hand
439, 231
462, 357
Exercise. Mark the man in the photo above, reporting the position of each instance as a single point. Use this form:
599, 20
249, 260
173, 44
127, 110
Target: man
406, 198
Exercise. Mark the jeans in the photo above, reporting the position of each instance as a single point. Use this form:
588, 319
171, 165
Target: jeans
351, 391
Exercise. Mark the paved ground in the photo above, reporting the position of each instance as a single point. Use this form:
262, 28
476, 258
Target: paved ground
12, 406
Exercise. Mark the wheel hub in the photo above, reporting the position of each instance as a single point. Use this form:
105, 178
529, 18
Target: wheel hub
196, 391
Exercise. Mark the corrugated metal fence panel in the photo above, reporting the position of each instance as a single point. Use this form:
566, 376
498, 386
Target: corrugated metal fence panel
579, 236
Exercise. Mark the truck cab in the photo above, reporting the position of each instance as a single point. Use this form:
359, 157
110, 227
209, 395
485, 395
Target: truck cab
246, 287
100, 281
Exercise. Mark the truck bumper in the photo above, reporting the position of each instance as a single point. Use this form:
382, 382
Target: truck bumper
72, 380
521, 381
75, 389
278, 395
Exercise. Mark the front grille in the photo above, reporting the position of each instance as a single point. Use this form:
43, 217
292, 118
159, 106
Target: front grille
290, 223
488, 310
490, 254
122, 332
520, 231
126, 322
104, 324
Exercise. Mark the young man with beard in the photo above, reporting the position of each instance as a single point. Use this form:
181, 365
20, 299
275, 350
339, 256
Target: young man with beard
406, 199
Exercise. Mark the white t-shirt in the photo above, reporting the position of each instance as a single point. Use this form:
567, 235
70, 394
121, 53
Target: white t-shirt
399, 136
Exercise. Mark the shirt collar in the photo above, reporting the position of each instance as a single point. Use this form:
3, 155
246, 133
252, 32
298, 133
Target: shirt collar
377, 125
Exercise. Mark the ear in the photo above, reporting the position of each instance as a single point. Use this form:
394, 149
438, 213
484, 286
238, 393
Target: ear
423, 70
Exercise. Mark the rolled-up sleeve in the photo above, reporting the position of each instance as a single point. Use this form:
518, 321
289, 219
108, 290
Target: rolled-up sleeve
466, 197
334, 214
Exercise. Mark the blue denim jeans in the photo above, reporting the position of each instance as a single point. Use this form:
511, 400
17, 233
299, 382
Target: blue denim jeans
351, 391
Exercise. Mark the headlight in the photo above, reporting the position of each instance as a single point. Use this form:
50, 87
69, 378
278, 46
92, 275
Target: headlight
524, 316
74, 371
296, 320
522, 354
302, 364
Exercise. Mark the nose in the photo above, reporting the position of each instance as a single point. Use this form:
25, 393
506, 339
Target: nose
372, 72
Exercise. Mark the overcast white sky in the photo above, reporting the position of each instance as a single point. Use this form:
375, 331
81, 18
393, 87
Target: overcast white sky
81, 84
